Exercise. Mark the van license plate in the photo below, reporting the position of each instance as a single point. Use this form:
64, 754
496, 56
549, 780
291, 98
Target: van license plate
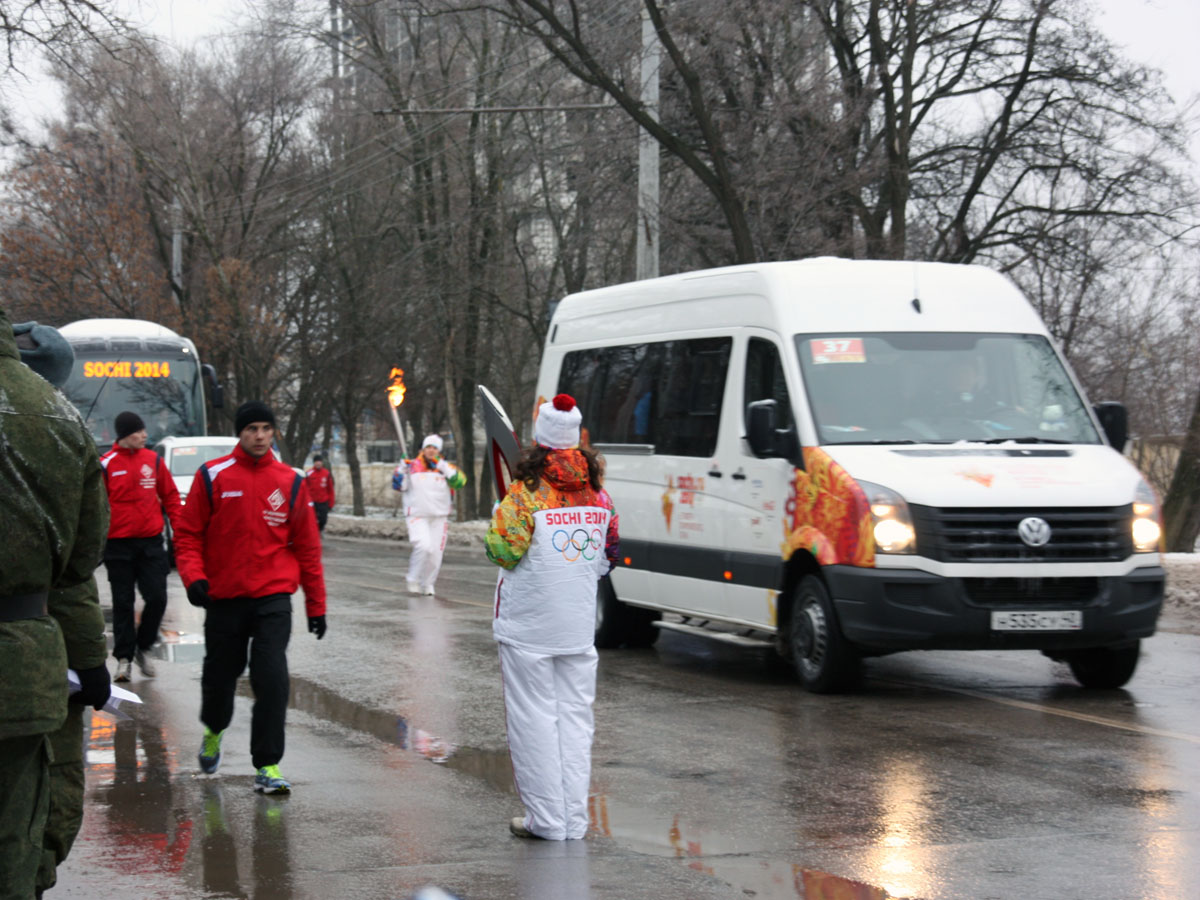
1041, 620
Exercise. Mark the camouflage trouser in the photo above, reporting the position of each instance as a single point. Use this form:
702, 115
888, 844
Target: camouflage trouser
66, 795
24, 801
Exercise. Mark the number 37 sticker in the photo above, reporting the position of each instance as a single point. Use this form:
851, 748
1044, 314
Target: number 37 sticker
837, 350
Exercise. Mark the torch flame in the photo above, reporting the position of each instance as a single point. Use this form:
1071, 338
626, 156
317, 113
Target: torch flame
396, 389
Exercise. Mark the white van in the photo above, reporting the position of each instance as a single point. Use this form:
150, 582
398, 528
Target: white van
845, 458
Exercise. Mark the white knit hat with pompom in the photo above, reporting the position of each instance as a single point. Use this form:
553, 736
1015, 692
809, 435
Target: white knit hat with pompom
557, 425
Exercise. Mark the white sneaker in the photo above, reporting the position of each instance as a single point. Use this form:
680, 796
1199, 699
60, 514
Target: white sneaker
123, 668
413, 587
143, 663
427, 590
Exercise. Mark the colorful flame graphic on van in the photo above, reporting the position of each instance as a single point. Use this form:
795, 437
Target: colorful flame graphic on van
827, 514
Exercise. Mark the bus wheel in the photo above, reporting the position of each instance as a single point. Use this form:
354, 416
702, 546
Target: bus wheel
824, 660
1104, 667
619, 624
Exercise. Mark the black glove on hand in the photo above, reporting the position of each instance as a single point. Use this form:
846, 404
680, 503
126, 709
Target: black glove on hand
316, 625
94, 687
198, 593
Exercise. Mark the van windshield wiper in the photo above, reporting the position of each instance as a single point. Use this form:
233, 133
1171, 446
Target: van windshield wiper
1022, 440
889, 441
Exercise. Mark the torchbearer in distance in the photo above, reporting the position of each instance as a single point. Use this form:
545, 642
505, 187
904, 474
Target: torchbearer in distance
428, 484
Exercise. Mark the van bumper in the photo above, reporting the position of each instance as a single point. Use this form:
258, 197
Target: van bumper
906, 609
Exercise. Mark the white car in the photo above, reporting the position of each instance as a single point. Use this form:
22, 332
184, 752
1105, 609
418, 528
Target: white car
184, 455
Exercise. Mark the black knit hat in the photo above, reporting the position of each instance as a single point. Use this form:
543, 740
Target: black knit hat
252, 411
128, 423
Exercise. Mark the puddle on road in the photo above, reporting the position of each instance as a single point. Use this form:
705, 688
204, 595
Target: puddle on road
640, 829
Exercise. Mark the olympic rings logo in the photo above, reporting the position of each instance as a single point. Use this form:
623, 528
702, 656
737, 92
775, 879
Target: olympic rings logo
578, 543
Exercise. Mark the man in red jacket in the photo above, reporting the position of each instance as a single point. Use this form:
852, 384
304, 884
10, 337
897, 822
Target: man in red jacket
247, 538
320, 489
139, 487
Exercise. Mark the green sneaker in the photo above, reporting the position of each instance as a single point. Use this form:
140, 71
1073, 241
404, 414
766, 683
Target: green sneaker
269, 781
210, 751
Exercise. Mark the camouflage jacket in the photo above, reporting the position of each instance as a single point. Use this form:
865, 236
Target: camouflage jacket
53, 520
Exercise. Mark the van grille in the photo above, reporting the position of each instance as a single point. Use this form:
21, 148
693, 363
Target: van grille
1093, 534
1002, 592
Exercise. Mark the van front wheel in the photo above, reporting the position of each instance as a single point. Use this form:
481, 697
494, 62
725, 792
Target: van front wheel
619, 624
1104, 667
824, 660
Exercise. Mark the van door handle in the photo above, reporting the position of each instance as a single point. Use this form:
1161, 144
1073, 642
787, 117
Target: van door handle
715, 473
738, 476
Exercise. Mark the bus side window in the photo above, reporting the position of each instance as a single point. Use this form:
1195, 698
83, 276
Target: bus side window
765, 381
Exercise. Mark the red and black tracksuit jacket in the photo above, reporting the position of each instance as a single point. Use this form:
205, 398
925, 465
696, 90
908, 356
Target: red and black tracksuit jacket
320, 485
248, 529
139, 486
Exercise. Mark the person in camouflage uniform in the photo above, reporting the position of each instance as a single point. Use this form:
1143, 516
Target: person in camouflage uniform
77, 611
54, 520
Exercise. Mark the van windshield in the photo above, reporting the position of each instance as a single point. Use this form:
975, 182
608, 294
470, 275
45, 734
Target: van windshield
907, 387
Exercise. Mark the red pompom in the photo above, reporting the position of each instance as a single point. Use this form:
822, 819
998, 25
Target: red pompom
564, 402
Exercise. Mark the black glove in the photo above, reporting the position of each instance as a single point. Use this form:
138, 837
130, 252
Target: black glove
198, 593
94, 687
316, 625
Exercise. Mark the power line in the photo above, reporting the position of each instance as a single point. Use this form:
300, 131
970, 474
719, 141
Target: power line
455, 110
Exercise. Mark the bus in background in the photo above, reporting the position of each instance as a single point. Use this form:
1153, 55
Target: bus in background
128, 364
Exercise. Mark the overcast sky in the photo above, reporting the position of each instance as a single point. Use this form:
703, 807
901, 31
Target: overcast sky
1161, 33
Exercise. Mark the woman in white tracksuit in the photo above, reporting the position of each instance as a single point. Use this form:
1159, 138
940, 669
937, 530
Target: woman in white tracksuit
555, 534
427, 483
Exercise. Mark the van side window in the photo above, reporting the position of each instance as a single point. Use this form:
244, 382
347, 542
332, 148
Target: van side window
666, 393
693, 385
765, 381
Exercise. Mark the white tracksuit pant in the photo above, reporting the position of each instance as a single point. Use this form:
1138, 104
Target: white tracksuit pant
548, 709
427, 534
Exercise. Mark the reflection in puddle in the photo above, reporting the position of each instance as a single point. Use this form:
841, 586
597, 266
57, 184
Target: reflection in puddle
310, 697
720, 856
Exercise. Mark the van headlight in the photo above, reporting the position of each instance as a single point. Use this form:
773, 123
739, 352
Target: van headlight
891, 524
1147, 532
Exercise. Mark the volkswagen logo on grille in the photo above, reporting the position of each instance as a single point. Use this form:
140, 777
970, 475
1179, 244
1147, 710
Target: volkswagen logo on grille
1034, 532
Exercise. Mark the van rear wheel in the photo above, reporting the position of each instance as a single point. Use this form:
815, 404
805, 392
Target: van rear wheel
824, 660
1104, 667
619, 624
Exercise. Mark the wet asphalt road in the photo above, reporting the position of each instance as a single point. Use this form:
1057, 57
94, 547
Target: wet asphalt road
950, 775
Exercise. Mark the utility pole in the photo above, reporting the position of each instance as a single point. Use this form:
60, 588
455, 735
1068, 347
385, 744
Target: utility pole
177, 248
648, 156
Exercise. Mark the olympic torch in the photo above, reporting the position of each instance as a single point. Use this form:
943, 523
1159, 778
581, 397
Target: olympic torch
395, 392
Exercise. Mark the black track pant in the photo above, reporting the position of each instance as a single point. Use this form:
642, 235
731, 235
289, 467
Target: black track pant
322, 511
259, 628
141, 562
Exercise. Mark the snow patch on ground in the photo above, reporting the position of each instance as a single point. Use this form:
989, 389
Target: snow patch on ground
380, 524
1181, 608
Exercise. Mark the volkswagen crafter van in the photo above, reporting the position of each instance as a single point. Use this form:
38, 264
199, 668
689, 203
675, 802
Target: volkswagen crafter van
838, 459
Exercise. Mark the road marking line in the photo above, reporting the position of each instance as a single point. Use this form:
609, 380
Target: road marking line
396, 590
1066, 713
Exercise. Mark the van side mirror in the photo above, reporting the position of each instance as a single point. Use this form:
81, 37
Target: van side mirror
1114, 419
215, 392
764, 436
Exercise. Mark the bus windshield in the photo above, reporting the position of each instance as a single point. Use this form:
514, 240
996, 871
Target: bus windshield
904, 387
163, 388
